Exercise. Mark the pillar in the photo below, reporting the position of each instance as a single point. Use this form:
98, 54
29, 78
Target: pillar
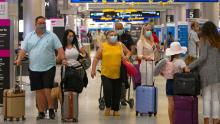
32, 9
210, 11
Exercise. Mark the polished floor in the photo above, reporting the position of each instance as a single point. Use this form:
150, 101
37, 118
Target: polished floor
89, 112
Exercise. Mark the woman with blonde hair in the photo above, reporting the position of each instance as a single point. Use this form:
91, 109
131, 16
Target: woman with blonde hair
145, 49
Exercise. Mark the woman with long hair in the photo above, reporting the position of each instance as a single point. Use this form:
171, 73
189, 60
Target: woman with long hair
72, 49
209, 70
145, 49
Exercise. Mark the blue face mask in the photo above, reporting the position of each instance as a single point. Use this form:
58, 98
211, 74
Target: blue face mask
113, 39
120, 32
148, 33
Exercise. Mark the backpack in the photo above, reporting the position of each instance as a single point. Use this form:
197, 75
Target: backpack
168, 70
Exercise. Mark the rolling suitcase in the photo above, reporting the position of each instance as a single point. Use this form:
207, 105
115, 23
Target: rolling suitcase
146, 100
14, 102
146, 95
185, 110
69, 103
69, 107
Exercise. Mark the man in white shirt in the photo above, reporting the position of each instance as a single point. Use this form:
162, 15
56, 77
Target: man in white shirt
193, 39
193, 43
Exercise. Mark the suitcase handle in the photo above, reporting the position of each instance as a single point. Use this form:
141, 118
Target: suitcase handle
18, 79
152, 71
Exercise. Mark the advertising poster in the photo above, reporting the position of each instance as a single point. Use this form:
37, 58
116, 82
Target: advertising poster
4, 56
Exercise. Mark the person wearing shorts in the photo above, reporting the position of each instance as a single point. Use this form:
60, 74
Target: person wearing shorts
40, 46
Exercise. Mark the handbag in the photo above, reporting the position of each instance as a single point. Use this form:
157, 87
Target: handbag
131, 70
157, 55
186, 84
85, 60
73, 79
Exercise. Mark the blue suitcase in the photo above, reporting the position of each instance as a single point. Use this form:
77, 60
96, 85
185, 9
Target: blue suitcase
146, 100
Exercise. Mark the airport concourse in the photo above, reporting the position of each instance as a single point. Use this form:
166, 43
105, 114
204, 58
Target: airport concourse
110, 61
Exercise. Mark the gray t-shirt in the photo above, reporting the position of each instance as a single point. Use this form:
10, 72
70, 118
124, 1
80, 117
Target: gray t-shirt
193, 39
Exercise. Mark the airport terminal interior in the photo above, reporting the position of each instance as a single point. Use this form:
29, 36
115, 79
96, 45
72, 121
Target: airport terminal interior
168, 18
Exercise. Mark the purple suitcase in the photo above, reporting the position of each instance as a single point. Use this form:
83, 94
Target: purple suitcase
146, 100
185, 110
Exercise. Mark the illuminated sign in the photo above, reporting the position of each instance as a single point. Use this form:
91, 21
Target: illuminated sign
192, 13
122, 15
111, 1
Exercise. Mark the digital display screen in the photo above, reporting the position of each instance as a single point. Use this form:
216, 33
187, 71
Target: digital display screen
124, 15
192, 13
100, 1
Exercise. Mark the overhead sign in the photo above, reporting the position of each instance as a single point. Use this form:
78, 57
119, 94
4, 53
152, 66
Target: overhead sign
169, 18
101, 1
51, 9
124, 15
3, 10
192, 13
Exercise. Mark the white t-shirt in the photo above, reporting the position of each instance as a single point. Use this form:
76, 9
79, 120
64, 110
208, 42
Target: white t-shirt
71, 56
179, 65
193, 39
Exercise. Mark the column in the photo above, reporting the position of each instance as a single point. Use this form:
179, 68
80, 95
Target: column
32, 9
71, 23
157, 21
163, 17
193, 6
210, 11
180, 13
171, 12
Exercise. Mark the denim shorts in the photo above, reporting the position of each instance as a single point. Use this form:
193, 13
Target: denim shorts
169, 87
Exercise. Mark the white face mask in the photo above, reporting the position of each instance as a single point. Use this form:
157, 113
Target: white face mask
120, 32
113, 39
70, 39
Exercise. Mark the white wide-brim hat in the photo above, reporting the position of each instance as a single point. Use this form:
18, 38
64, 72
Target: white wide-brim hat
175, 48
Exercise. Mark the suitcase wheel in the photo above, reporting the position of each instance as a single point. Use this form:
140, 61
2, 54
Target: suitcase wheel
150, 114
101, 101
131, 103
101, 107
23, 118
75, 120
11, 119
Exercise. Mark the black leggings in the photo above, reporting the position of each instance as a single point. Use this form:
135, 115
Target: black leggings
112, 92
